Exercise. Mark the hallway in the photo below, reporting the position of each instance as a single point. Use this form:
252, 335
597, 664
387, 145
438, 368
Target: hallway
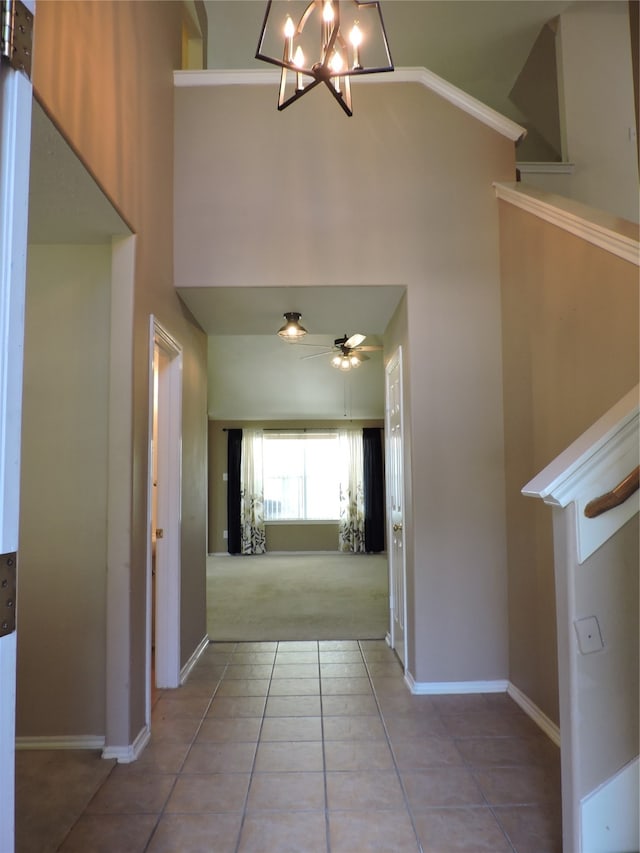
319, 746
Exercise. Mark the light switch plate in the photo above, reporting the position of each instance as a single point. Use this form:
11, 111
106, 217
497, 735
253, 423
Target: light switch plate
589, 636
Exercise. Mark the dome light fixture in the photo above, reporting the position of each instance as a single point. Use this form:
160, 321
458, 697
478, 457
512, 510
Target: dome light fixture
292, 329
305, 39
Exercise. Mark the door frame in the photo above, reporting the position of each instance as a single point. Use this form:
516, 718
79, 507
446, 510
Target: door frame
396, 360
16, 94
168, 381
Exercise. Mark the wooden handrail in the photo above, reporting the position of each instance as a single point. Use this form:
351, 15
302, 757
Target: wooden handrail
618, 495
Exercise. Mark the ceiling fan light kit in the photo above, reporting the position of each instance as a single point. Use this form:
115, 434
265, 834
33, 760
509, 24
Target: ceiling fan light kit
347, 352
323, 41
292, 330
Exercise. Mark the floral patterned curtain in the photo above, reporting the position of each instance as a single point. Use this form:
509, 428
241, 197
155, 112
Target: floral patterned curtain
351, 527
252, 494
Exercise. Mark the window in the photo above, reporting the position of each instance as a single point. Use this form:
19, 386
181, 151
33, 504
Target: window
301, 476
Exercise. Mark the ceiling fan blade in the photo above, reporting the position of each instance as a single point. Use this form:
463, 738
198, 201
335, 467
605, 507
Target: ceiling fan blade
354, 341
316, 354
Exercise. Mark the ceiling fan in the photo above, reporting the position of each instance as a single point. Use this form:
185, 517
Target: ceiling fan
346, 352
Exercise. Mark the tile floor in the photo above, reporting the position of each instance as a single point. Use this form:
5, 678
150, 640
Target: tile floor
319, 746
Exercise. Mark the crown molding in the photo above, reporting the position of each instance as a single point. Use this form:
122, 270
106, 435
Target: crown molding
596, 227
467, 103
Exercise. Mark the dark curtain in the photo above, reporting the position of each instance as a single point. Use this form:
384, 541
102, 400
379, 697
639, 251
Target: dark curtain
373, 476
234, 455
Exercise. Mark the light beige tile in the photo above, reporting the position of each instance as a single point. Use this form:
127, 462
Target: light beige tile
192, 707
441, 786
404, 704
285, 756
105, 833
385, 685
425, 752
295, 687
357, 755
414, 725
283, 832
460, 703
195, 833
298, 646
157, 757
142, 793
353, 728
218, 792
177, 731
386, 669
291, 728
243, 687
345, 686
229, 730
250, 658
380, 831
489, 724
338, 646
532, 829
293, 706
268, 646
359, 704
528, 751
237, 706
245, 671
296, 670
343, 670
364, 790
286, 791
335, 656
220, 758
519, 785
454, 830
296, 657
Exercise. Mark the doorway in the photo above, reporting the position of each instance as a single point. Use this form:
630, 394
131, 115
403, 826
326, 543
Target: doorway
394, 441
164, 503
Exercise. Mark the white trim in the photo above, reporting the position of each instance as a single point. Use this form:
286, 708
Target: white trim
593, 465
543, 168
193, 660
551, 729
61, 742
593, 226
467, 103
130, 753
438, 688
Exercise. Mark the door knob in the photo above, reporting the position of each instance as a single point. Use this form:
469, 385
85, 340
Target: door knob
397, 527
159, 533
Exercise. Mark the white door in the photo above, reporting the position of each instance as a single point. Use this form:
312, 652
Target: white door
165, 463
395, 505
15, 140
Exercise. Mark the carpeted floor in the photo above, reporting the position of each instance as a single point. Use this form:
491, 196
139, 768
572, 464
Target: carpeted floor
297, 597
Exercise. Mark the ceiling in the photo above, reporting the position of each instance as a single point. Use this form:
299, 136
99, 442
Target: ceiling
479, 45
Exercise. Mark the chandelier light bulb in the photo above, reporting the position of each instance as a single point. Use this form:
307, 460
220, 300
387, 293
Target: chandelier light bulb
355, 37
289, 28
327, 13
298, 59
336, 63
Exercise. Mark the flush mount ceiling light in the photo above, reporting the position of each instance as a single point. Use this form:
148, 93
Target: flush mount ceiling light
307, 40
292, 330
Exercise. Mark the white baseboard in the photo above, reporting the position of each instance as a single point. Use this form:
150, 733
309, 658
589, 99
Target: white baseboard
130, 752
551, 730
193, 660
61, 742
436, 688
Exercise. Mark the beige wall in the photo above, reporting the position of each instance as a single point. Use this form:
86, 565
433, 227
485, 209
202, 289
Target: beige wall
399, 194
63, 548
570, 351
110, 91
279, 537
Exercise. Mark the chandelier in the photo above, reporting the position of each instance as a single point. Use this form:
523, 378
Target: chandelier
323, 41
